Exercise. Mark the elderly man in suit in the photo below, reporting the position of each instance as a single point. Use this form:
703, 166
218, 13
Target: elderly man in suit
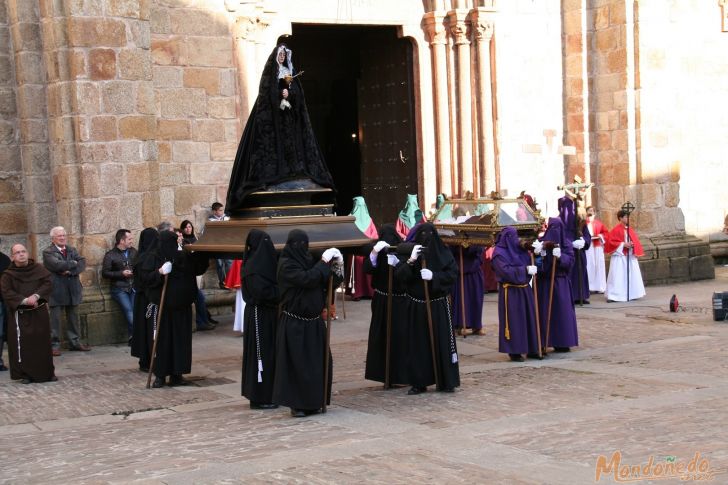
65, 264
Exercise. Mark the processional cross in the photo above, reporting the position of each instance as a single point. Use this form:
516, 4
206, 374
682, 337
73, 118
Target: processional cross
552, 172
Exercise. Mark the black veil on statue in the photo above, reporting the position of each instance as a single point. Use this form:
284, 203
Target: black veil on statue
278, 145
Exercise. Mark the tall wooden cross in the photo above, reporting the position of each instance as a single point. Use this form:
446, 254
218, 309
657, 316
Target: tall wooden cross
552, 172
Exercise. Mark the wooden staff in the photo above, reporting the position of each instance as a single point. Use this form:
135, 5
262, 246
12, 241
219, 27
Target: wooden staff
535, 302
327, 342
156, 332
428, 306
463, 329
343, 298
387, 383
551, 297
579, 273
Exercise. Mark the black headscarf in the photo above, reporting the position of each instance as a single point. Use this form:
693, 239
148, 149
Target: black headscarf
389, 234
260, 256
436, 254
277, 145
148, 240
168, 248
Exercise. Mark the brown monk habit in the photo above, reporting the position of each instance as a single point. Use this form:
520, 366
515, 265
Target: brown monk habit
29, 334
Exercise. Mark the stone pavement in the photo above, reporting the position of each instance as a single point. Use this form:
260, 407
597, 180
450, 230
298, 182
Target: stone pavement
644, 381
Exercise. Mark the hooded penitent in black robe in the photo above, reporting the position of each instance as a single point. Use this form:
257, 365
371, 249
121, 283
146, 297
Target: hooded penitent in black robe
377, 347
277, 144
29, 331
143, 327
441, 262
300, 342
174, 328
260, 291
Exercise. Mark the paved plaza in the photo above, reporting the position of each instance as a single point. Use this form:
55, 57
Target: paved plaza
645, 382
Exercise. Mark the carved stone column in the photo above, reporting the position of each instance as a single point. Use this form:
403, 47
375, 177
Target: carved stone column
437, 36
482, 29
459, 31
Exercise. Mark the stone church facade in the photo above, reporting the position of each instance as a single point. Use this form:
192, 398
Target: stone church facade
123, 113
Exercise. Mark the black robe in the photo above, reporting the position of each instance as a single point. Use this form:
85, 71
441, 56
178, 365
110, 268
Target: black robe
260, 292
300, 342
143, 327
377, 346
29, 331
277, 145
174, 328
440, 261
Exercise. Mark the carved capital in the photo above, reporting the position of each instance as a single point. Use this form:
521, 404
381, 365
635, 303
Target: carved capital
483, 30
459, 32
434, 29
245, 28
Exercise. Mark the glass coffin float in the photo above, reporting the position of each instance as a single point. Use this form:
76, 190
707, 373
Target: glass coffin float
477, 221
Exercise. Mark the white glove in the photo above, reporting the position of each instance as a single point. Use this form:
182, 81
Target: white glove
537, 246
380, 245
579, 243
415, 252
392, 260
532, 270
426, 274
166, 268
338, 257
556, 252
328, 254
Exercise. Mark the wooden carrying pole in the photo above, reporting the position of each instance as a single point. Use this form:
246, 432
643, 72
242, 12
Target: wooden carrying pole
428, 306
535, 304
387, 358
156, 332
551, 298
327, 342
463, 329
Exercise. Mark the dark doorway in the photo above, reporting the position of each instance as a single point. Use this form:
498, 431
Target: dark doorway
358, 86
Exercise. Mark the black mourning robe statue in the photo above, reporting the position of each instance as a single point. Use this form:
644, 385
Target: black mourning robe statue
278, 142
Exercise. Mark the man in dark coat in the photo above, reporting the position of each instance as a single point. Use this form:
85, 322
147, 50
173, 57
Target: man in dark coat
117, 267
439, 274
516, 310
26, 287
379, 264
260, 292
65, 264
300, 342
174, 326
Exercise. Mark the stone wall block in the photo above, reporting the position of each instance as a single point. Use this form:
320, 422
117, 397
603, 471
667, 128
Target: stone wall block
159, 20
139, 178
22, 11
702, 267
182, 103
100, 216
137, 127
201, 77
6, 72
92, 153
111, 179
209, 51
94, 247
92, 32
130, 215
35, 158
103, 128
221, 107
228, 82
672, 194
680, 268
83, 8
150, 151
146, 98
13, 219
224, 151
167, 76
31, 131
11, 188
611, 196
77, 65
165, 151
87, 99
7, 104
172, 174
102, 64
89, 180
26, 36
118, 97
31, 101
7, 133
198, 22
231, 130
187, 197
141, 34
210, 173
166, 203
173, 129
10, 158
136, 9
151, 214
208, 130
169, 51
135, 64
650, 196
190, 151
655, 269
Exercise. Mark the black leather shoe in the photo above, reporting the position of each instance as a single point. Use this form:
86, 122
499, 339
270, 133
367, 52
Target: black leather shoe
143, 368
263, 405
562, 349
447, 389
309, 412
26, 381
533, 356
516, 357
158, 382
53, 379
177, 380
416, 390
298, 413
3, 368
205, 326
210, 319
